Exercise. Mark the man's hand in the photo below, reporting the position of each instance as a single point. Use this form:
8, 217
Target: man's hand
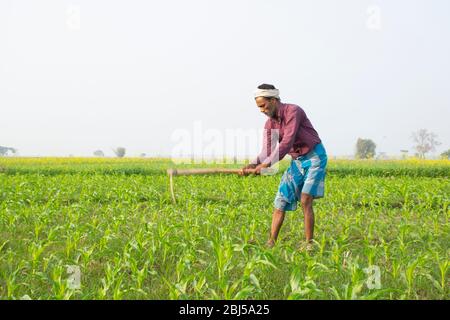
253, 169
260, 167
248, 169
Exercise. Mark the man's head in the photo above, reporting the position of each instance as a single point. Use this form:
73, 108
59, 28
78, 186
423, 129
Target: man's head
267, 99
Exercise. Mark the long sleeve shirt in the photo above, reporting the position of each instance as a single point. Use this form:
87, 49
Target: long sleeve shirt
294, 132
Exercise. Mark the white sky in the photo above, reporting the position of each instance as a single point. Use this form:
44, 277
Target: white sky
77, 76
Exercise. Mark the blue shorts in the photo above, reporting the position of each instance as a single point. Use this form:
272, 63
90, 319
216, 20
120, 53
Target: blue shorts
306, 174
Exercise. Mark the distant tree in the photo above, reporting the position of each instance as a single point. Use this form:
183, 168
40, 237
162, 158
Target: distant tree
120, 152
382, 155
143, 155
446, 154
99, 153
424, 141
365, 149
404, 154
5, 150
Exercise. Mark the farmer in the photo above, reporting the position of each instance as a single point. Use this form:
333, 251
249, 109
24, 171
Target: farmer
304, 180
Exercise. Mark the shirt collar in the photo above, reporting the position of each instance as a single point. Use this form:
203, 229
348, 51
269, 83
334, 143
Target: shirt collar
280, 112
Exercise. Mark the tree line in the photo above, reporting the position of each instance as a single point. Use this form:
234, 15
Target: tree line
424, 142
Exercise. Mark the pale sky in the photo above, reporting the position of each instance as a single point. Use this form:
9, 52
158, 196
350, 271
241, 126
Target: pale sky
77, 76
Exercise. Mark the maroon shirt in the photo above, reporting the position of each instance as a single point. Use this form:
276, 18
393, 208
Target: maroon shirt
296, 135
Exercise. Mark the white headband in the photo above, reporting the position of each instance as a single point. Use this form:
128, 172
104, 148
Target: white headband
267, 93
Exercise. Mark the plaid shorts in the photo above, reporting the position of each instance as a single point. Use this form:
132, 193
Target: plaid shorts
306, 174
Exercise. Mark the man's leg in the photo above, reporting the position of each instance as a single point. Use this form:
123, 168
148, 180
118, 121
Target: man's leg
277, 222
307, 206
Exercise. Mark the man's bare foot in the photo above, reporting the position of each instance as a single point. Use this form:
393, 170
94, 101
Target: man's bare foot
270, 243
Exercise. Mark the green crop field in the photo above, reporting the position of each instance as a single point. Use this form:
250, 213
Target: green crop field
382, 232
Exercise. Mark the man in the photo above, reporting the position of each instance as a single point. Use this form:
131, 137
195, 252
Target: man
304, 180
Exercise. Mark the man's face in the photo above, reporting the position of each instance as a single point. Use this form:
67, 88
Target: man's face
267, 106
